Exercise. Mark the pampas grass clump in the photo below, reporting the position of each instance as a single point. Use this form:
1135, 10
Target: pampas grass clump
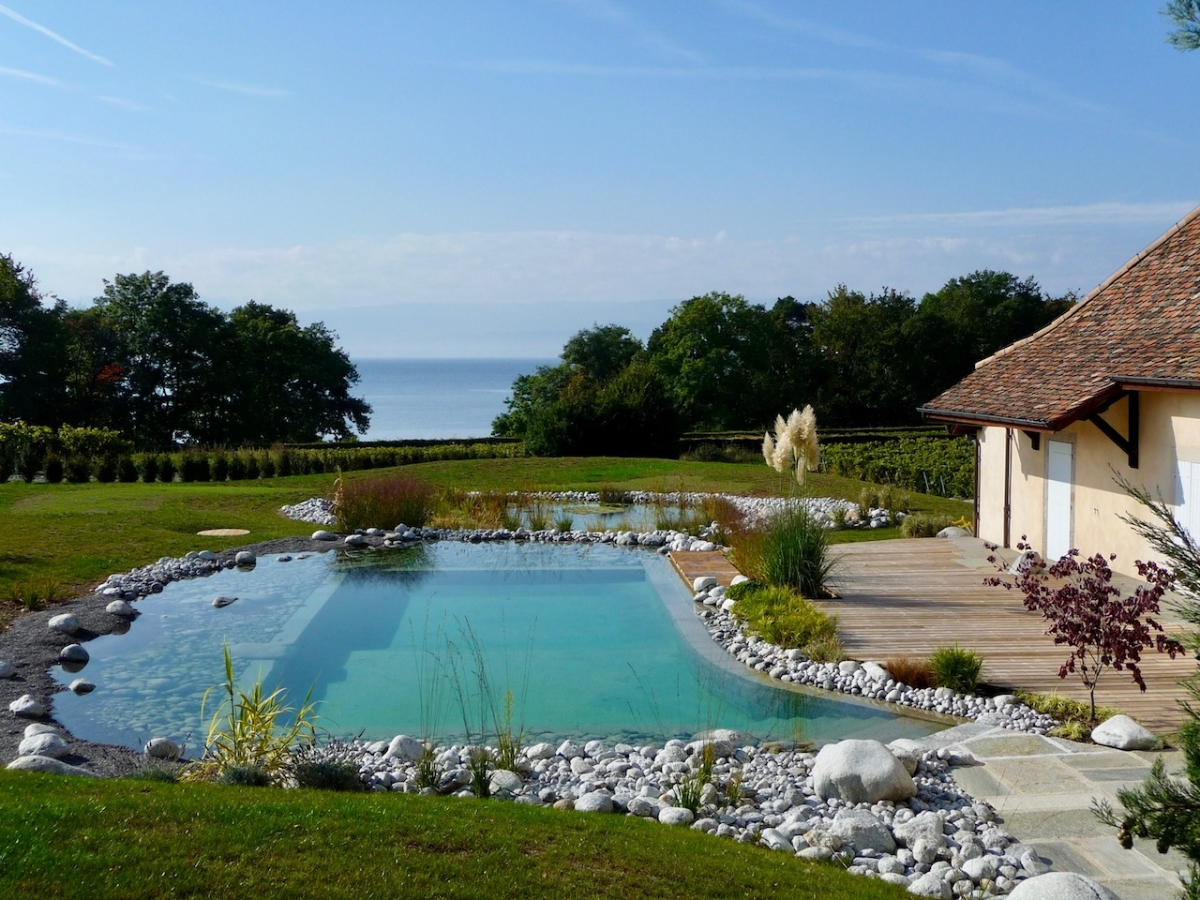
794, 445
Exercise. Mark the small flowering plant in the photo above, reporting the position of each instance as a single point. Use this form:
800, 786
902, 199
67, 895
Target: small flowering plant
1087, 612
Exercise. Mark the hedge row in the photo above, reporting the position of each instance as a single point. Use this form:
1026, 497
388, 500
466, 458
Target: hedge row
239, 465
929, 465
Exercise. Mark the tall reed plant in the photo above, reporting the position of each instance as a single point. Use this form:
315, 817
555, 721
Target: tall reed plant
382, 502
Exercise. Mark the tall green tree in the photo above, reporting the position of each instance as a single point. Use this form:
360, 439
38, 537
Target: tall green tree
1185, 17
291, 382
711, 352
601, 352
33, 359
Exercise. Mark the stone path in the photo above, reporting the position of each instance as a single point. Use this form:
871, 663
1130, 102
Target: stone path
1043, 789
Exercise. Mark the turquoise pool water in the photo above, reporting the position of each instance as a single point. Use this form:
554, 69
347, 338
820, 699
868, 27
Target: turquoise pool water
593, 641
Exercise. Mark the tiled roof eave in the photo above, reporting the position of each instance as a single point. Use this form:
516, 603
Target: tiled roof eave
1096, 402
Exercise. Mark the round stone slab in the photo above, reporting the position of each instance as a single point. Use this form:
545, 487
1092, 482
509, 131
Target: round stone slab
223, 532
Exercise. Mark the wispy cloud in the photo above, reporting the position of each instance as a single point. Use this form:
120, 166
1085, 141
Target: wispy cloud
631, 23
249, 90
837, 36
67, 138
32, 76
1086, 214
124, 103
54, 36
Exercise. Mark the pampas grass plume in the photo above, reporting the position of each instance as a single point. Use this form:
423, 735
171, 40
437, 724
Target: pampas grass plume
768, 449
781, 457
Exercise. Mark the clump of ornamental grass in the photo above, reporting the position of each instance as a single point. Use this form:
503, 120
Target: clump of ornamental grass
957, 668
910, 670
784, 618
251, 732
923, 525
792, 549
794, 449
382, 502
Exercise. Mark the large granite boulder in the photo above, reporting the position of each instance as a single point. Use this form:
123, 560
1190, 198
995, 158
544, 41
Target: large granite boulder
1124, 734
859, 771
1061, 886
47, 764
862, 829
44, 744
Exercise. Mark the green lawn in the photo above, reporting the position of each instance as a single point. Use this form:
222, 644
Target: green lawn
76, 535
73, 838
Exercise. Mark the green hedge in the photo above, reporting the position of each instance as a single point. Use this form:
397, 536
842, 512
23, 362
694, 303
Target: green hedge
944, 467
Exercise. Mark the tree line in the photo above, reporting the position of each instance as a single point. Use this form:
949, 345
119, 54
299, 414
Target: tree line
720, 363
150, 360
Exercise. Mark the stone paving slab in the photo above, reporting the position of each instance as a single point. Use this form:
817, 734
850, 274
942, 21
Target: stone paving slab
1044, 790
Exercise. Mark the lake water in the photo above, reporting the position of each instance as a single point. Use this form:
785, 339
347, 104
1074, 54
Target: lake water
594, 641
436, 398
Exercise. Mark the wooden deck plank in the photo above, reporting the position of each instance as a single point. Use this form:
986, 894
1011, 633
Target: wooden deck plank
908, 597
693, 564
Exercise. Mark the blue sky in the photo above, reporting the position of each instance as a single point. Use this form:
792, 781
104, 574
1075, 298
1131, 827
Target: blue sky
481, 178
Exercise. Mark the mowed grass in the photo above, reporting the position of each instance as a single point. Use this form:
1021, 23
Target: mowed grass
73, 536
74, 838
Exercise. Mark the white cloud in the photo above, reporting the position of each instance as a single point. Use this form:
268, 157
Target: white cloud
124, 103
54, 36
249, 90
1086, 214
32, 76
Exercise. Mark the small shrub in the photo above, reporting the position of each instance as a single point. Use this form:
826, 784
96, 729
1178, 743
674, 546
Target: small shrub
78, 469
106, 469
220, 466
1065, 709
166, 468
868, 499
147, 464
563, 523
266, 465
480, 767
29, 463
285, 463
54, 469
248, 775
195, 467
253, 468
127, 472
612, 496
956, 668
924, 525
237, 467
916, 673
329, 775
1080, 732
825, 649
893, 499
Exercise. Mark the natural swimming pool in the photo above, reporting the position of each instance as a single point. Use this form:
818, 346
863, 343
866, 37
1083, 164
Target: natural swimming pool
594, 641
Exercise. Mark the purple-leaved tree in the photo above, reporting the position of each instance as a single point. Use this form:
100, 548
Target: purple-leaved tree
1087, 612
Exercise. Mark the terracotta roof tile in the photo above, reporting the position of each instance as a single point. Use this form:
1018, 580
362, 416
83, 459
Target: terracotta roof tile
1142, 325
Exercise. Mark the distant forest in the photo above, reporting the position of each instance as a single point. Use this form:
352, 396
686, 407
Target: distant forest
150, 360
720, 363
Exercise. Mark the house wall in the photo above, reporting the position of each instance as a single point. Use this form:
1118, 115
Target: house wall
1170, 431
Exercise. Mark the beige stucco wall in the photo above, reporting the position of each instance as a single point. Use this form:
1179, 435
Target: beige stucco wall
1170, 430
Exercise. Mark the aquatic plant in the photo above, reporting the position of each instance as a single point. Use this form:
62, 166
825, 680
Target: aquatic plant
252, 730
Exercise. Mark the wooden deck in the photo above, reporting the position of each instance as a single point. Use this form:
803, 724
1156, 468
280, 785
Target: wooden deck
907, 597
694, 564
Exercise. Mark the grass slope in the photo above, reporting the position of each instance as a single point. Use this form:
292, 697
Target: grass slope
71, 838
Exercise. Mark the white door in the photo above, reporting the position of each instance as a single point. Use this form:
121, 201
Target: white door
1187, 496
1060, 459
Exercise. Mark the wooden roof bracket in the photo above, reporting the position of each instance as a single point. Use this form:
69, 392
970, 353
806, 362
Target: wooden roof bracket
1128, 446
1035, 439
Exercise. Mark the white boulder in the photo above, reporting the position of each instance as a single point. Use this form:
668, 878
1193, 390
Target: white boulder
594, 801
676, 815
122, 608
74, 653
860, 771
65, 622
703, 583
47, 764
28, 706
162, 748
863, 830
404, 747
45, 744
1123, 733
930, 884
1061, 886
